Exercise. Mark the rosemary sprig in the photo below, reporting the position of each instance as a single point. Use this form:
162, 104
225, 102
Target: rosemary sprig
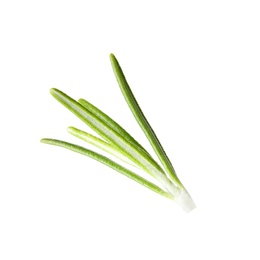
118, 142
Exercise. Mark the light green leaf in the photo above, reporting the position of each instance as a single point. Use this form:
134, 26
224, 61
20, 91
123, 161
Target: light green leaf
141, 119
102, 159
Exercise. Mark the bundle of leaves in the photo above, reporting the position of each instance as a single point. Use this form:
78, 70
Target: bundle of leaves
118, 142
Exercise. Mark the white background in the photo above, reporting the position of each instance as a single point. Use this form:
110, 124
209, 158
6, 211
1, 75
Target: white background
194, 69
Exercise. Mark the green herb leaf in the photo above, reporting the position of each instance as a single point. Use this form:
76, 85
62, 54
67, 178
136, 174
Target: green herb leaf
102, 159
141, 119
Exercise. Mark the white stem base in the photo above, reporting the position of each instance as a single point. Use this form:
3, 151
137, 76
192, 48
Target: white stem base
185, 201
179, 193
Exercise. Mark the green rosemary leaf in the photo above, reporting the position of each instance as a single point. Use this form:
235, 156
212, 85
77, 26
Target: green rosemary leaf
141, 119
109, 163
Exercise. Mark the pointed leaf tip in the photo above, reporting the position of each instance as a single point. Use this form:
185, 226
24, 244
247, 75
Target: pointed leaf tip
43, 140
54, 91
112, 58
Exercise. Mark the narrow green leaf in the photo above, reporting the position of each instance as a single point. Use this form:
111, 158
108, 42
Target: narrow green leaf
142, 121
109, 163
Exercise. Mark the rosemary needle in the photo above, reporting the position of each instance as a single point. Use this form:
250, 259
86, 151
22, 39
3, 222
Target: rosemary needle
108, 162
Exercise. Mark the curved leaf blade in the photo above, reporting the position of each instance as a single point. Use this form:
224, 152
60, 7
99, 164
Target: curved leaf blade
108, 162
141, 119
